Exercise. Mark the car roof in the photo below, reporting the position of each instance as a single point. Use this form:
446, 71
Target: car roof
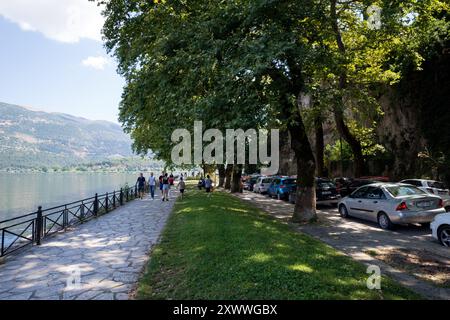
385, 184
422, 180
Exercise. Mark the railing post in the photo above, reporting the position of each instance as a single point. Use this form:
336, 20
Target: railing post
82, 211
2, 252
65, 217
106, 202
114, 199
121, 197
38, 233
96, 205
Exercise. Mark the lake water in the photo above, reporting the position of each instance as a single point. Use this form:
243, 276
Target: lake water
22, 193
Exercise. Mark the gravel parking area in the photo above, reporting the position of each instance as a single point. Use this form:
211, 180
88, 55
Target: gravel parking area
408, 254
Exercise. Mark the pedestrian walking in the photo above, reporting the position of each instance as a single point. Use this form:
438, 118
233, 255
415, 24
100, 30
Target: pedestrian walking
208, 185
152, 185
166, 187
181, 187
161, 184
141, 185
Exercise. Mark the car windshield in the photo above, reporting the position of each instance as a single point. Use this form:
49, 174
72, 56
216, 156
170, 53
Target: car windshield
267, 181
325, 184
400, 191
436, 184
289, 181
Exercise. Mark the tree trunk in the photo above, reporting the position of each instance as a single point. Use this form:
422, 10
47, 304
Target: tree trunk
319, 147
354, 144
236, 178
228, 172
305, 204
342, 128
221, 169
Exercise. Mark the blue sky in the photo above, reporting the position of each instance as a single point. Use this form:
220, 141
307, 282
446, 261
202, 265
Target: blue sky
57, 64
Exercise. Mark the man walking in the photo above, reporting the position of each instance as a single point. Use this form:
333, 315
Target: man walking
152, 185
141, 185
181, 187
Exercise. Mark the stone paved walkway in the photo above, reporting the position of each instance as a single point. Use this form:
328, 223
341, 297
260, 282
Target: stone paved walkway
106, 254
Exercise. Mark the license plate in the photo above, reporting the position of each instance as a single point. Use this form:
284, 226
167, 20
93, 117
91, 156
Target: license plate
424, 204
326, 192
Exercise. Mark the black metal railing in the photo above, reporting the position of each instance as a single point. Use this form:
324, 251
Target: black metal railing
20, 232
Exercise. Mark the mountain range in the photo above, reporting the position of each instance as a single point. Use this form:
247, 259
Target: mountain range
30, 139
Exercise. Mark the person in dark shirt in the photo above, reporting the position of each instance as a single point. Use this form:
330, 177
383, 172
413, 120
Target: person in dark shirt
166, 187
161, 184
141, 185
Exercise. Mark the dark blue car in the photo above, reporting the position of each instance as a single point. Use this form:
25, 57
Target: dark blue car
281, 187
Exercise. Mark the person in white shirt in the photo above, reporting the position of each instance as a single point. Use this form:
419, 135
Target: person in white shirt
152, 185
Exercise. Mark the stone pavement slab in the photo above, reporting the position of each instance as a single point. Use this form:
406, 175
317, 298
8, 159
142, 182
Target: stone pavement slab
101, 259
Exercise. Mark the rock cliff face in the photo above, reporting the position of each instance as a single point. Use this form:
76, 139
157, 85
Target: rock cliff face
399, 132
417, 118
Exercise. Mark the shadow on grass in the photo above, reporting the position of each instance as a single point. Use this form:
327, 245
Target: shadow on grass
222, 248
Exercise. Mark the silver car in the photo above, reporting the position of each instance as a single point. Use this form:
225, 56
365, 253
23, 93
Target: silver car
389, 204
262, 184
432, 187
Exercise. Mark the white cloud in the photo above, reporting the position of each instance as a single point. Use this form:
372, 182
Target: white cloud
61, 20
98, 63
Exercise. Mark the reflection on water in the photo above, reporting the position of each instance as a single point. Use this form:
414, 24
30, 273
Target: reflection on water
22, 193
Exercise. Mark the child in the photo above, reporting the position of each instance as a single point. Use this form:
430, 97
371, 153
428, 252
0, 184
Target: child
181, 187
208, 186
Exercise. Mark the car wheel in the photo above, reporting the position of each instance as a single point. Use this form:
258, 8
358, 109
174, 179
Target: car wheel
343, 211
384, 222
444, 235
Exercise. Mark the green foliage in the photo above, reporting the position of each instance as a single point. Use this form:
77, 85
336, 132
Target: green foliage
334, 152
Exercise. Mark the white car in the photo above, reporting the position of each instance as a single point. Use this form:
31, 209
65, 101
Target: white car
432, 187
262, 184
440, 228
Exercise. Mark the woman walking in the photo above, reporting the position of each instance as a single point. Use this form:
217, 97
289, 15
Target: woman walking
166, 186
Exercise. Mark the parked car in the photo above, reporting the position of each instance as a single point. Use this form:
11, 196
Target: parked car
262, 184
432, 187
354, 184
326, 192
281, 187
342, 183
389, 204
250, 183
440, 228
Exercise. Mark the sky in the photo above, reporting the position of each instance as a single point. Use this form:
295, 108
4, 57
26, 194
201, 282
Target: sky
52, 59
